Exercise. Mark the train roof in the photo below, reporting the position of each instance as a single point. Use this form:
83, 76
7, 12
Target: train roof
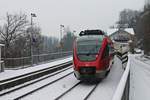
91, 32
88, 35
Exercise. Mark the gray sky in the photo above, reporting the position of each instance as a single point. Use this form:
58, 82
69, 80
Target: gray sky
77, 14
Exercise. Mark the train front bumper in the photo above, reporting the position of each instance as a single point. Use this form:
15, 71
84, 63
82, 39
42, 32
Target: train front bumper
97, 75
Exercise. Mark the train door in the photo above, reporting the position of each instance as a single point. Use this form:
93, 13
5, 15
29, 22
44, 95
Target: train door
111, 55
105, 57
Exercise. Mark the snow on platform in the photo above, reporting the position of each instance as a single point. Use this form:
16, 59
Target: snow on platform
139, 79
12, 73
143, 58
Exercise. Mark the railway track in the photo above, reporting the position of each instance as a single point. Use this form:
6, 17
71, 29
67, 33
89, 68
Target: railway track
91, 92
67, 91
64, 86
62, 89
49, 84
73, 87
30, 83
8, 93
14, 81
18, 98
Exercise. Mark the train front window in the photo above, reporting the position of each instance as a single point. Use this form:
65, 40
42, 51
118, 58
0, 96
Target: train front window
88, 49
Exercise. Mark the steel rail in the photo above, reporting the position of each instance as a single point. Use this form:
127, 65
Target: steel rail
87, 96
67, 91
91, 92
33, 82
39, 88
1, 81
8, 83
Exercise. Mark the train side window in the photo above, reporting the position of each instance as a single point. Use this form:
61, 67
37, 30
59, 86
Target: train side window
111, 50
106, 52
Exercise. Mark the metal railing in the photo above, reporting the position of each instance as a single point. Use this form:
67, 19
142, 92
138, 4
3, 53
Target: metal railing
22, 62
122, 91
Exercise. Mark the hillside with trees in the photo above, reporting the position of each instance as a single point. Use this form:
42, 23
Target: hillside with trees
140, 22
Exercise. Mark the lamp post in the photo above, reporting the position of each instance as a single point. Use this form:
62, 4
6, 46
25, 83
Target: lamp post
31, 38
74, 31
61, 26
61, 29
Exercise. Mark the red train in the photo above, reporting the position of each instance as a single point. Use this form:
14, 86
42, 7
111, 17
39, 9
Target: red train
93, 55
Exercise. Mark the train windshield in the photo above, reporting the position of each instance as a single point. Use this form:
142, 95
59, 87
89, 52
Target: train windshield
88, 49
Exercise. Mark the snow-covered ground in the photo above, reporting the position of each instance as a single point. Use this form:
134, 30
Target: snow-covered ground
145, 59
139, 83
104, 91
12, 73
29, 88
139, 78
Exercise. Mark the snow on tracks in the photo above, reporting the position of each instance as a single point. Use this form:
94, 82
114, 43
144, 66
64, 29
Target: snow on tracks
104, 90
37, 86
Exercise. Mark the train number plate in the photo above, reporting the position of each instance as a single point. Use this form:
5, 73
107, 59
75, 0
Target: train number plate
87, 70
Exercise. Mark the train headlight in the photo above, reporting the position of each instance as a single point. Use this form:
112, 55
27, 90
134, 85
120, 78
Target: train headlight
96, 55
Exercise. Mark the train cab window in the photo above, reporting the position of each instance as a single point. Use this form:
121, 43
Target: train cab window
88, 48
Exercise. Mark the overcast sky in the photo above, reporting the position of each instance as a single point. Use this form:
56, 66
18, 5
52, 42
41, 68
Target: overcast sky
77, 14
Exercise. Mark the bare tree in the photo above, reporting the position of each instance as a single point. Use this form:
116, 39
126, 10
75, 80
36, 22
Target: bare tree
37, 39
13, 27
128, 18
143, 31
67, 41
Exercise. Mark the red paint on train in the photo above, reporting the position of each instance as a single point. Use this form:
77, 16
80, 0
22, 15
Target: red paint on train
92, 55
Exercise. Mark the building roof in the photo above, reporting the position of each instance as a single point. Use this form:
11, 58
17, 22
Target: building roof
111, 31
1, 44
129, 30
